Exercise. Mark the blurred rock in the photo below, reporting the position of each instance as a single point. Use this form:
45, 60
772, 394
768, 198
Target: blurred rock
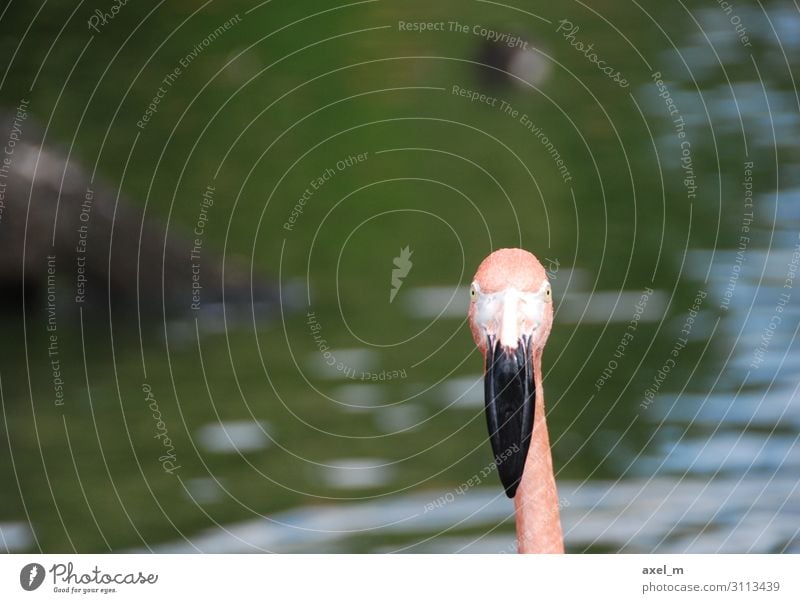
60, 233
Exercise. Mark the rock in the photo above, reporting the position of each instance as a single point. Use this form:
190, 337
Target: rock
61, 233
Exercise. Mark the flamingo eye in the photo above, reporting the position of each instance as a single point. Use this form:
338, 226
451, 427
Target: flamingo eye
472, 293
548, 292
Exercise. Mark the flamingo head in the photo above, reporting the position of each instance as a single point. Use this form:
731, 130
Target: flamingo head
510, 314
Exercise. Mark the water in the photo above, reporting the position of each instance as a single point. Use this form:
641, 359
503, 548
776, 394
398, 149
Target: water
348, 422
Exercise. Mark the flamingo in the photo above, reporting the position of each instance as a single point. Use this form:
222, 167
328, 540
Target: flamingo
510, 315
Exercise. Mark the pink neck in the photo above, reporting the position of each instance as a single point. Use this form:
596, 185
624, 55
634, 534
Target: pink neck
536, 501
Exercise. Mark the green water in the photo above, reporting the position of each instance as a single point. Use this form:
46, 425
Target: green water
269, 107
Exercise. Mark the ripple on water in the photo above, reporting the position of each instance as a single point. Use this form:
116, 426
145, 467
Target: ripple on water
203, 490
689, 515
400, 417
732, 452
341, 363
233, 436
430, 302
359, 397
328, 528
15, 536
756, 409
357, 473
610, 306
636, 516
461, 392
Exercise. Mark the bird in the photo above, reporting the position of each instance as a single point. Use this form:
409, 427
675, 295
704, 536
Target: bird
510, 316
519, 63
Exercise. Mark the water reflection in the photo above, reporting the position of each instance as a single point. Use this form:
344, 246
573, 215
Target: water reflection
204, 490
356, 474
15, 537
710, 464
635, 516
233, 436
341, 363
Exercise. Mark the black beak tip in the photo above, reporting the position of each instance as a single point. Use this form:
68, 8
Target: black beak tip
510, 393
511, 489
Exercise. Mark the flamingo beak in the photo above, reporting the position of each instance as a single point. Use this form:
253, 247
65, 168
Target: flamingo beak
510, 393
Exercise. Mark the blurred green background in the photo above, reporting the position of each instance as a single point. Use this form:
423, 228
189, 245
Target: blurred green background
316, 460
